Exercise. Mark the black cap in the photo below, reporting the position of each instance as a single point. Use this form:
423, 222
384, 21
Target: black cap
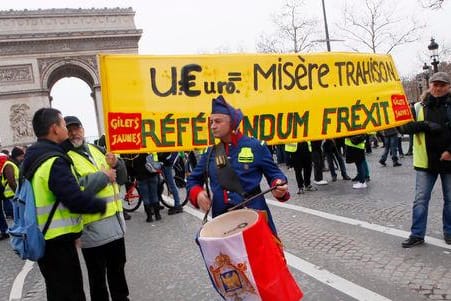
72, 120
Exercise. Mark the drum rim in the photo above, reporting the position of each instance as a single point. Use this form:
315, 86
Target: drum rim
225, 215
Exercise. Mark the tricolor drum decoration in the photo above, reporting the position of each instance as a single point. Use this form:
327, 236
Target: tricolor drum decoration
244, 259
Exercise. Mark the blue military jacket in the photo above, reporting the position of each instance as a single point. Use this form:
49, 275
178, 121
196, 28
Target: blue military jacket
251, 160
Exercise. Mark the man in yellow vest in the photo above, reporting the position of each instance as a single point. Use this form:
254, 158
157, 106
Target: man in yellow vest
10, 178
431, 156
56, 181
102, 242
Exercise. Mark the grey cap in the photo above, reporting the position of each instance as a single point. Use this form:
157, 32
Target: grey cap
440, 77
72, 120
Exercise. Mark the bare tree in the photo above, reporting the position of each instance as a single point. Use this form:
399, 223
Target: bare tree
294, 31
433, 4
374, 25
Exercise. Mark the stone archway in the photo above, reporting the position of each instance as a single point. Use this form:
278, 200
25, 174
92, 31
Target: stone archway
39, 47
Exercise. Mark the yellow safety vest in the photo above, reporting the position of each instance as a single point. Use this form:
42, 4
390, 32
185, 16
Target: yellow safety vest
420, 155
9, 193
109, 193
361, 145
63, 221
292, 147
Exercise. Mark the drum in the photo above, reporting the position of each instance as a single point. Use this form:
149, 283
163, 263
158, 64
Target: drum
244, 259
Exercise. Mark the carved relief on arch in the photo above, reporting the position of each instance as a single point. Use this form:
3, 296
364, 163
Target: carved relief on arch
53, 69
45, 63
20, 118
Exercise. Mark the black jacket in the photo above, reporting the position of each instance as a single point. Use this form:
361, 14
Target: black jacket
436, 126
136, 166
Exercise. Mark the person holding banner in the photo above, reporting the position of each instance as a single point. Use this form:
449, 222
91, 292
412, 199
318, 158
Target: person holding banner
431, 156
248, 158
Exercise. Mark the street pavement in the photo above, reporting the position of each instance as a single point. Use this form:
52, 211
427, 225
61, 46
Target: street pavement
340, 244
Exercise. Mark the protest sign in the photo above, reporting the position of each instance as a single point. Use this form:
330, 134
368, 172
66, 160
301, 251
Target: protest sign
162, 103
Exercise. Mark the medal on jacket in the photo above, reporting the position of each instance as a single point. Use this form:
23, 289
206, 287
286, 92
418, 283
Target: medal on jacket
221, 161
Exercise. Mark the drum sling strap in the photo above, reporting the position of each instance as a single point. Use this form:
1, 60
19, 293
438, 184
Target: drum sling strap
227, 177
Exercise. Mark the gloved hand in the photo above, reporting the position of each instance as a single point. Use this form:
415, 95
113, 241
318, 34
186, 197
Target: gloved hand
429, 127
433, 127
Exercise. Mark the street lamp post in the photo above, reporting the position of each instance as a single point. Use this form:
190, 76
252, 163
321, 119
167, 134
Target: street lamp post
426, 73
325, 27
420, 85
433, 47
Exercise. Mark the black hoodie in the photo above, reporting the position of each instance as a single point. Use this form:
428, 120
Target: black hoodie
61, 181
437, 112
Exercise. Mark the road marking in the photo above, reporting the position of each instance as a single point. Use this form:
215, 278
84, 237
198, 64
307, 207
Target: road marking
338, 283
320, 274
375, 227
17, 288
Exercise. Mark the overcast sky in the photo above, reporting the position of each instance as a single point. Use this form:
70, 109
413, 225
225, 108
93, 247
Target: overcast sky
199, 26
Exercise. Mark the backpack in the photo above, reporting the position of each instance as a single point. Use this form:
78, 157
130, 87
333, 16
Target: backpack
151, 165
26, 238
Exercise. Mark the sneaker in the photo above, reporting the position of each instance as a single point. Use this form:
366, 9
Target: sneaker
382, 163
310, 188
396, 164
300, 191
322, 182
447, 239
359, 185
346, 177
334, 179
412, 241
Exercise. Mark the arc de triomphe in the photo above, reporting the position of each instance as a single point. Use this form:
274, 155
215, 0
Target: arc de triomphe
39, 47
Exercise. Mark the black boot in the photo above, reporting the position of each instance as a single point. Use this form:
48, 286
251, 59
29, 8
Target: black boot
148, 210
156, 210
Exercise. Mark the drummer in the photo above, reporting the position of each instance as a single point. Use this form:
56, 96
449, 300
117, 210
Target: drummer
247, 157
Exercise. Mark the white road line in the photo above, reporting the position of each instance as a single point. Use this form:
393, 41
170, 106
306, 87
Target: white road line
375, 227
338, 283
17, 288
320, 274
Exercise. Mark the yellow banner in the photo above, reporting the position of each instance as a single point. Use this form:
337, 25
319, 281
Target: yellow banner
162, 103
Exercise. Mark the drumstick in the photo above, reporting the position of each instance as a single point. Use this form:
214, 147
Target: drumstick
243, 203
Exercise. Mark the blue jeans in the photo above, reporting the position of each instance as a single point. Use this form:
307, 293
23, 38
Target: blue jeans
330, 162
361, 171
148, 188
424, 183
391, 145
167, 170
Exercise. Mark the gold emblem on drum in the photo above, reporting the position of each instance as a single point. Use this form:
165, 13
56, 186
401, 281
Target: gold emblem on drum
230, 279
